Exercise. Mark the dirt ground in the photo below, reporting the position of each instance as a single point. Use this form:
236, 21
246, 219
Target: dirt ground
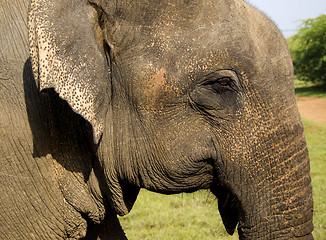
312, 108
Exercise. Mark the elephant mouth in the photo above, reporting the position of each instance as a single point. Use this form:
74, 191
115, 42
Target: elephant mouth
229, 206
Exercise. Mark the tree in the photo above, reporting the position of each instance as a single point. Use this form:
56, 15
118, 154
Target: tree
308, 50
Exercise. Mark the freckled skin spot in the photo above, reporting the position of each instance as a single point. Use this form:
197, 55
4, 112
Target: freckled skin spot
153, 89
158, 81
158, 90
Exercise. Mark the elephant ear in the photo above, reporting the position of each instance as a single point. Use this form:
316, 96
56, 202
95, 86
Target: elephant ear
67, 55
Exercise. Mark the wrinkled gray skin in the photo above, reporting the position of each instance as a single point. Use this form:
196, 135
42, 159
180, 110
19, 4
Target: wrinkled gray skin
172, 96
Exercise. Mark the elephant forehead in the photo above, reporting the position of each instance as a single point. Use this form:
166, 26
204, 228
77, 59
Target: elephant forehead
181, 44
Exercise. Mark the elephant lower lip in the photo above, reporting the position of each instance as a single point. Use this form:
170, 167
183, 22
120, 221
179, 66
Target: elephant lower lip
228, 205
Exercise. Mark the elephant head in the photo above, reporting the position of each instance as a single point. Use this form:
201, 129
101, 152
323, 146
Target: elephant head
183, 95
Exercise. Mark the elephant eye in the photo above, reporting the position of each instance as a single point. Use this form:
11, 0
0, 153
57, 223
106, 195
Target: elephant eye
224, 82
220, 84
217, 94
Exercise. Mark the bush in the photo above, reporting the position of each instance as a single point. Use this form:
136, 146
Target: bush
308, 50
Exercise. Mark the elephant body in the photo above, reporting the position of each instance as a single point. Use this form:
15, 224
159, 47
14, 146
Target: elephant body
101, 98
38, 166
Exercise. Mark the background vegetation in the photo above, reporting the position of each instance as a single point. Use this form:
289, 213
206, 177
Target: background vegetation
177, 217
308, 50
309, 89
316, 139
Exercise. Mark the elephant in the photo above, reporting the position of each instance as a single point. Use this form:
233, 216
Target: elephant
100, 98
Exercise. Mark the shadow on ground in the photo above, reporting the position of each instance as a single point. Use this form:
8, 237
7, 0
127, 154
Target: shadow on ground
311, 91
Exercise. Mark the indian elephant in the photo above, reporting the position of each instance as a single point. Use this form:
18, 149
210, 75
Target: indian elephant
172, 96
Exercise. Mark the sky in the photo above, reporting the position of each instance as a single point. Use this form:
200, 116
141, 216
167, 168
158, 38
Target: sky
288, 14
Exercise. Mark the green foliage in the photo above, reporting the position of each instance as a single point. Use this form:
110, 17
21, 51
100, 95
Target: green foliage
182, 216
309, 89
316, 138
308, 50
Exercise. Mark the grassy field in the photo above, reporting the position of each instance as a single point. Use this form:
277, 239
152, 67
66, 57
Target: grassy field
177, 217
316, 139
307, 89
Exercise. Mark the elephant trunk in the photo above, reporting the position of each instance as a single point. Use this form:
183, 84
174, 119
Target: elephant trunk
284, 207
266, 190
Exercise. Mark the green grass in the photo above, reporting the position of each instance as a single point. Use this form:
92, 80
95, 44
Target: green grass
306, 89
316, 140
177, 217
195, 216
